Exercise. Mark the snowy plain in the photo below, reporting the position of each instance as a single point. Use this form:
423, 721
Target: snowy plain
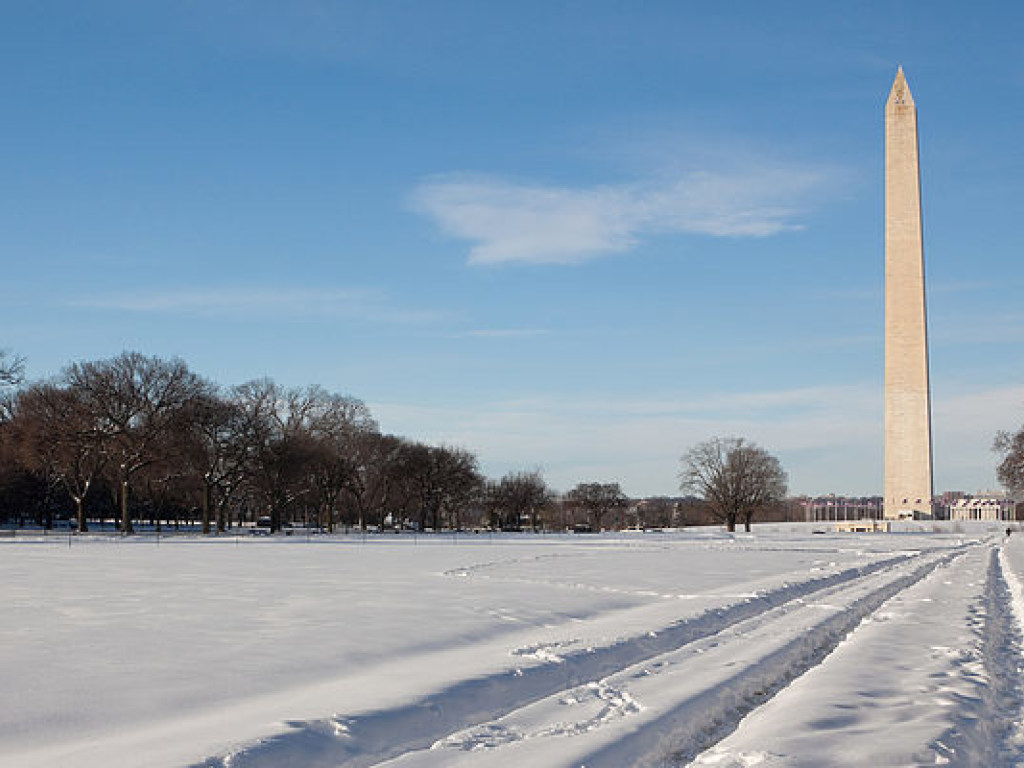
789, 646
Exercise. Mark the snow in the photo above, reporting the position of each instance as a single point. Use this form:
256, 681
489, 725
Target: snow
782, 647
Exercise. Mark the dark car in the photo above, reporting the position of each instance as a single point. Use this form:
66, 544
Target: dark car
263, 526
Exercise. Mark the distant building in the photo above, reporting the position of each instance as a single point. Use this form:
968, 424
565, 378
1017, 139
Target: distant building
862, 526
834, 508
989, 507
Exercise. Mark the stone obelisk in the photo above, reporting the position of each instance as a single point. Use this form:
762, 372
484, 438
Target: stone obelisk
908, 432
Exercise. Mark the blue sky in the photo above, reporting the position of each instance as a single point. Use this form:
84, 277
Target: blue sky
574, 236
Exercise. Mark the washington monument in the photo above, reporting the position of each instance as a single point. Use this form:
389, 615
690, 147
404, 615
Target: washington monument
908, 430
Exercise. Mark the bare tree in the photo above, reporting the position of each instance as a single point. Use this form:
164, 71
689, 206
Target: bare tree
216, 450
376, 485
277, 448
1010, 471
516, 496
337, 426
693, 510
166, 488
737, 479
443, 481
12, 369
453, 483
12, 374
301, 444
596, 501
57, 432
656, 512
405, 465
139, 403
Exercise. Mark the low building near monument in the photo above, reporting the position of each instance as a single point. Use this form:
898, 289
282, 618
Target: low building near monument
834, 508
989, 508
862, 526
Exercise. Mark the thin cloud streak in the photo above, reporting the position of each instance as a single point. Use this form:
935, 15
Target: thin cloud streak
572, 438
531, 223
504, 333
828, 438
294, 303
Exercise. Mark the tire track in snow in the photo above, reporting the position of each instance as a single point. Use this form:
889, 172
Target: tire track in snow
1012, 665
366, 739
698, 722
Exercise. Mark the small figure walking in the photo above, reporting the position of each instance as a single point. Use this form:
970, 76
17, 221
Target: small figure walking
1008, 532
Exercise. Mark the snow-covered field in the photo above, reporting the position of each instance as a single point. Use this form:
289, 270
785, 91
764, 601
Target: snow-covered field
784, 647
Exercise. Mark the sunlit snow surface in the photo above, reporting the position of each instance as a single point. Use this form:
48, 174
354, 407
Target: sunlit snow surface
781, 648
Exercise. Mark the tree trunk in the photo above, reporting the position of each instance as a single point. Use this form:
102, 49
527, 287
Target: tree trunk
83, 527
126, 517
731, 522
207, 500
48, 507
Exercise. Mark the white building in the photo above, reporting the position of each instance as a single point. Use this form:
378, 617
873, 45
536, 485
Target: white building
983, 508
833, 508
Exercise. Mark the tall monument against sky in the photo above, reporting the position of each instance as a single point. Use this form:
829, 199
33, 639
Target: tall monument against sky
908, 429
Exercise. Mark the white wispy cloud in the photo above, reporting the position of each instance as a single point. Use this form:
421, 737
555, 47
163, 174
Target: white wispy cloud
260, 302
534, 223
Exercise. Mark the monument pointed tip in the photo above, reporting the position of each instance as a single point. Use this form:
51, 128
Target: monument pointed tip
900, 93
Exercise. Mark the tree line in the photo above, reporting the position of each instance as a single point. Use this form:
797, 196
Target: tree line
143, 439
137, 439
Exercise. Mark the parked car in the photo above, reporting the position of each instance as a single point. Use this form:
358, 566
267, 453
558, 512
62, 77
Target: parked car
262, 527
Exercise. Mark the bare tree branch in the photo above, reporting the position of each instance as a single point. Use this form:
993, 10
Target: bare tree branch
12, 369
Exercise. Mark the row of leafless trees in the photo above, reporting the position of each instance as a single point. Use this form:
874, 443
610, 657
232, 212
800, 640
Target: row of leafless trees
137, 438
